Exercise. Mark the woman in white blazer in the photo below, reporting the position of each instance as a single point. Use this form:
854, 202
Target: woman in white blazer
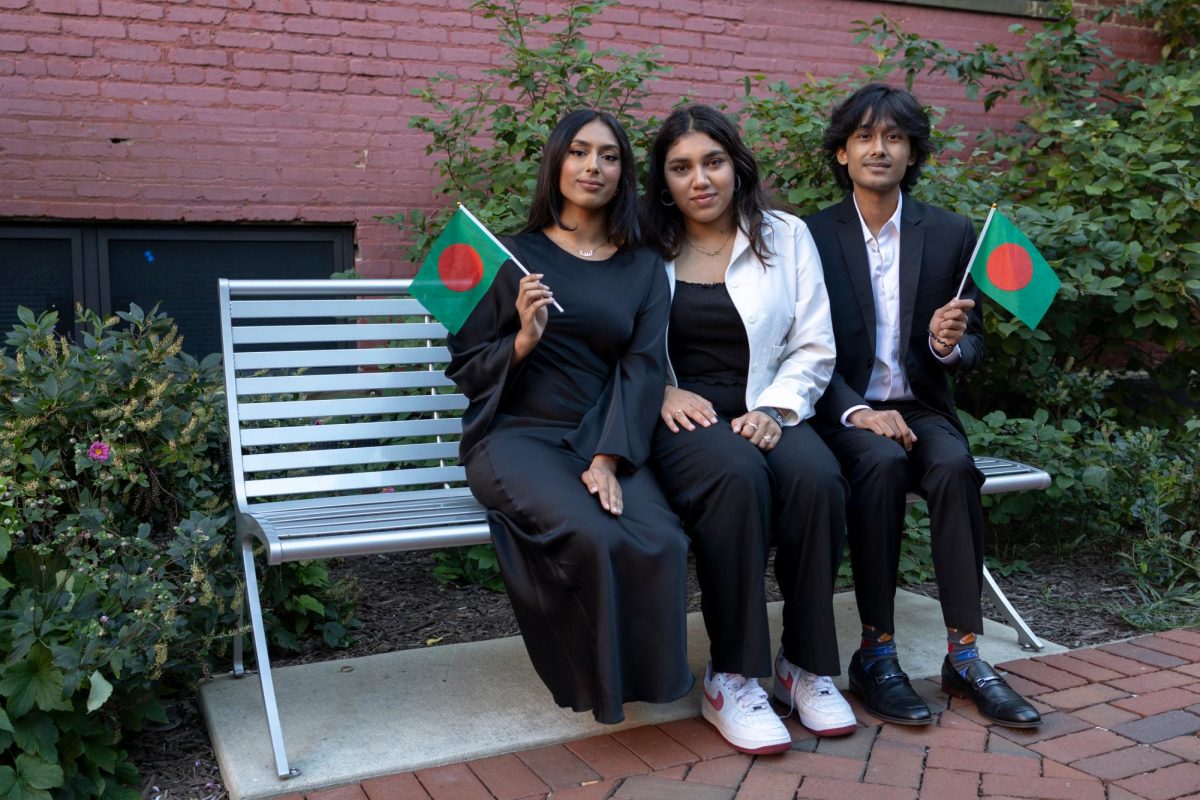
751, 350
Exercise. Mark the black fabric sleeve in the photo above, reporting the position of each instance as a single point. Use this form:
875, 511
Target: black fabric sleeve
622, 423
481, 354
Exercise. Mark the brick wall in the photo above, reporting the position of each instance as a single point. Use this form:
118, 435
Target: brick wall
297, 110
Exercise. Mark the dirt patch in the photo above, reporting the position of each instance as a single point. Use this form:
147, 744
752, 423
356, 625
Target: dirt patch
1067, 601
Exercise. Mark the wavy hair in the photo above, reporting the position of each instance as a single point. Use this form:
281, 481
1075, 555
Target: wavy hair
870, 105
662, 224
546, 208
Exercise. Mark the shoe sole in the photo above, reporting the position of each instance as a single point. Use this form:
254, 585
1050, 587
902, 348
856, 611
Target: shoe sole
761, 750
962, 694
786, 699
862, 695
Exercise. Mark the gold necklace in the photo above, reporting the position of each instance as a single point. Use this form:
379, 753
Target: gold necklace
711, 253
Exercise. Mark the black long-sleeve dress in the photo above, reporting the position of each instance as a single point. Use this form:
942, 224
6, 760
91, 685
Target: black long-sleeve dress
600, 600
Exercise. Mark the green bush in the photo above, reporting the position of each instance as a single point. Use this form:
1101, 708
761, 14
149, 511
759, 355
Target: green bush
1101, 166
117, 575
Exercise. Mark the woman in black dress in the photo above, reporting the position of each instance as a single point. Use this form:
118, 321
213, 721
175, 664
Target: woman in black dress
751, 350
562, 408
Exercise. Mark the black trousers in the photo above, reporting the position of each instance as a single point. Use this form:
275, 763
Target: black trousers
880, 473
734, 500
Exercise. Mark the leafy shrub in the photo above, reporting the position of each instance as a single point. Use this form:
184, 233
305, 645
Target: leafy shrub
1133, 489
1100, 165
117, 575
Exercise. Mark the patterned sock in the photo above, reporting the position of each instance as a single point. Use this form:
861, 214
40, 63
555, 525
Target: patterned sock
876, 644
962, 649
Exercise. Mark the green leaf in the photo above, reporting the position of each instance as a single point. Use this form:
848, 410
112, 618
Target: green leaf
100, 691
1094, 476
8, 781
33, 681
37, 735
38, 774
307, 601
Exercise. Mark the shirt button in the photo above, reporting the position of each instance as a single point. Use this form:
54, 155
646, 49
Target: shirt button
734, 284
752, 318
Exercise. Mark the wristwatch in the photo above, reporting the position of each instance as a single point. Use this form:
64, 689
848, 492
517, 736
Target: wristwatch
773, 413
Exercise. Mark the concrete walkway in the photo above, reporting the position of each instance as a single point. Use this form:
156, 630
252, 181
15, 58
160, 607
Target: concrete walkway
1121, 722
349, 721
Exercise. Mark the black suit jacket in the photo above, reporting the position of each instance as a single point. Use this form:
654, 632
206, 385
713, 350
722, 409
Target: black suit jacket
935, 247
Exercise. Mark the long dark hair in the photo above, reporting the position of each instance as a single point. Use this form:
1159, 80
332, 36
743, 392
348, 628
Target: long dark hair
870, 105
662, 224
546, 209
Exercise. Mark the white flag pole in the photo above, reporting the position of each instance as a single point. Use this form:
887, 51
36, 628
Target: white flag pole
497, 242
975, 252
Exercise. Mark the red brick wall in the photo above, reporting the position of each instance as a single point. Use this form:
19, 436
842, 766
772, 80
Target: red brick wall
297, 110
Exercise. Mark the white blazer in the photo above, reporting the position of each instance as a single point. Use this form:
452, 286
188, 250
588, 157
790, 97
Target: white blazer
785, 310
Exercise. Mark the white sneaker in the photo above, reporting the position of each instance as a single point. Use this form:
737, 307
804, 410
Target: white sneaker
822, 708
741, 712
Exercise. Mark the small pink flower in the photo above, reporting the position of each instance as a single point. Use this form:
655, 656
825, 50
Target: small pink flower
99, 451
103, 619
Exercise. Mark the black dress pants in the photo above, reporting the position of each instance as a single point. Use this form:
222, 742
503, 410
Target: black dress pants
880, 473
734, 499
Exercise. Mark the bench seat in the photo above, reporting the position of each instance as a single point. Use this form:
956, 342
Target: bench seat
343, 438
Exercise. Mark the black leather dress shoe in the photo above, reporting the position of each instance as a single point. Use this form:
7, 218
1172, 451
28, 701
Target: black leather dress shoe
994, 698
885, 690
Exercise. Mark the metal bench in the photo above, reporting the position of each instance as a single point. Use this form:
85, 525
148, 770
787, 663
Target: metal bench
344, 433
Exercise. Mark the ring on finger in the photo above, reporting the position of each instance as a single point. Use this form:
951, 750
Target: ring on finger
677, 412
768, 438
751, 425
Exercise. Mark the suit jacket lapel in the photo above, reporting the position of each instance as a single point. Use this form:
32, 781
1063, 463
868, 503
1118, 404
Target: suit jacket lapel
912, 252
854, 252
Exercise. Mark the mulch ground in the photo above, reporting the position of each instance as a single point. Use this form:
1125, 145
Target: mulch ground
1068, 601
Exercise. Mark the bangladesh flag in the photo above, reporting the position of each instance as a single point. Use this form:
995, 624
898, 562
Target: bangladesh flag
1009, 269
458, 270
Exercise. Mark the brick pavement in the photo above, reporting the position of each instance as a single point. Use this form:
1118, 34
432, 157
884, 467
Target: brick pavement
1120, 722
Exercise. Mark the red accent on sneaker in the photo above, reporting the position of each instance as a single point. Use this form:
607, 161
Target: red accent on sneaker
717, 702
784, 677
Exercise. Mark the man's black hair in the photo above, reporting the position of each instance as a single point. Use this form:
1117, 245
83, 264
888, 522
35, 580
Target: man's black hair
870, 105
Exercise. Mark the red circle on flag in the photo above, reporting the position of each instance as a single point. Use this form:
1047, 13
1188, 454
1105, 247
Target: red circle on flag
460, 267
1009, 267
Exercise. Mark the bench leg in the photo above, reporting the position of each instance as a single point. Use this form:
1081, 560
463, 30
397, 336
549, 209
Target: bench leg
1025, 636
239, 667
264, 665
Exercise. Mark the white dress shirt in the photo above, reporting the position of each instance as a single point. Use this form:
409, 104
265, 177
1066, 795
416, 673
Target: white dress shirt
888, 379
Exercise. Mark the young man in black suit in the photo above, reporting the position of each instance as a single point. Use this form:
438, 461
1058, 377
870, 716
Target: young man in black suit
892, 266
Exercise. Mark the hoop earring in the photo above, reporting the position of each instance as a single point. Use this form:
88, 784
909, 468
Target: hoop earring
737, 183
663, 200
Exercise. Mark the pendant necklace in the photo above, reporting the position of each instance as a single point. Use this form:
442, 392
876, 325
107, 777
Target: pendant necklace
587, 253
711, 253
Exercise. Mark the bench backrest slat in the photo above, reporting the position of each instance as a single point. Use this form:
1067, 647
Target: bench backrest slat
359, 431
394, 379
351, 332
310, 459
342, 357
338, 390
271, 487
343, 406
355, 306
